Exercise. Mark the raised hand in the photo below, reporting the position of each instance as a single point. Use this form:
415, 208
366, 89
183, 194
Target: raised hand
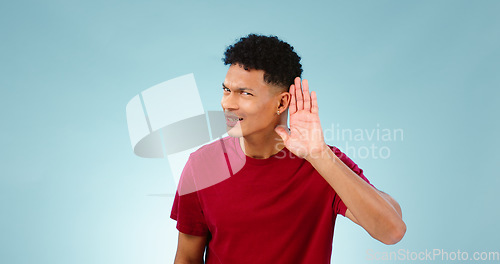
305, 138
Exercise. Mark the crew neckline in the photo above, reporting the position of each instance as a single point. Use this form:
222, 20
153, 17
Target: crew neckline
283, 153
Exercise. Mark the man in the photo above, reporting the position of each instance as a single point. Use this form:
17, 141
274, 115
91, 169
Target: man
266, 193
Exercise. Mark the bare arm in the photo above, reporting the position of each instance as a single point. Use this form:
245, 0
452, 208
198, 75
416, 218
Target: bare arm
190, 249
377, 212
391, 200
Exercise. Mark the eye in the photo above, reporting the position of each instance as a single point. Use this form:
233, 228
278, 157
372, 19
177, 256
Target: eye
246, 93
225, 89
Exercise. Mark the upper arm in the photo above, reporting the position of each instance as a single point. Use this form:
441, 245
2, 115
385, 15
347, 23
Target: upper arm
190, 249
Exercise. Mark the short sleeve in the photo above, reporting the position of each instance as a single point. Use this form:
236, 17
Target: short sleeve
186, 209
338, 205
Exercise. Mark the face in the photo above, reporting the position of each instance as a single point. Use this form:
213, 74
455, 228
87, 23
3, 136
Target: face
250, 104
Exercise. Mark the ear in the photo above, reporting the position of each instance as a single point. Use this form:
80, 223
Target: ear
284, 101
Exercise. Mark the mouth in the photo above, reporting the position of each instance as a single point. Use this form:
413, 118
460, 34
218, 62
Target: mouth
232, 120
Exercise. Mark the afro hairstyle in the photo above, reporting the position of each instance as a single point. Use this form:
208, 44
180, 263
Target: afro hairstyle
280, 62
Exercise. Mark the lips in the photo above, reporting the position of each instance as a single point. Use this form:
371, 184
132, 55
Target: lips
232, 120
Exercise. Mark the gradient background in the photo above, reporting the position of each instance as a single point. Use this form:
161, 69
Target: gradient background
72, 191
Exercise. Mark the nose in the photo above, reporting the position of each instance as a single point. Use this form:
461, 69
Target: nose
229, 101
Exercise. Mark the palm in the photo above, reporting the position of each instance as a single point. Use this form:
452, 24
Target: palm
306, 136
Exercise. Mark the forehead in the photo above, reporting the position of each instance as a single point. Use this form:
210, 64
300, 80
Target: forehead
238, 77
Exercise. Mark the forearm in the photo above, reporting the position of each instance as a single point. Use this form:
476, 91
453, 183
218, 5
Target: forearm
379, 216
188, 261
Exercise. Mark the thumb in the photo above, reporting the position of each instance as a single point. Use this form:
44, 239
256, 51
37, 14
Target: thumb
282, 131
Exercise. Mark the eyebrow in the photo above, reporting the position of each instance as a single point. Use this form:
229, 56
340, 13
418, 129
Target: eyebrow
241, 89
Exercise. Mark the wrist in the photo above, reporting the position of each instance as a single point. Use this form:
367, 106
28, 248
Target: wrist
320, 154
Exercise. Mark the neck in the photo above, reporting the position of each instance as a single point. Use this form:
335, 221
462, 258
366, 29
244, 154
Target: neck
261, 147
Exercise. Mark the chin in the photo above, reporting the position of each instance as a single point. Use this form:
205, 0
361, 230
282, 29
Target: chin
234, 132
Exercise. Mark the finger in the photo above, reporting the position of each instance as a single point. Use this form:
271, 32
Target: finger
298, 94
307, 97
314, 103
293, 104
281, 131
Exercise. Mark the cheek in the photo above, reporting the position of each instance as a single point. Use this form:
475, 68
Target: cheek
264, 113
258, 109
269, 108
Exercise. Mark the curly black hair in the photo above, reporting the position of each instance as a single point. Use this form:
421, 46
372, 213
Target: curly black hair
277, 58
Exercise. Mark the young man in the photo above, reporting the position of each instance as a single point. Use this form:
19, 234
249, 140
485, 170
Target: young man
266, 193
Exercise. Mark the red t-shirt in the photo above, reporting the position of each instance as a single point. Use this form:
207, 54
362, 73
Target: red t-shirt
275, 210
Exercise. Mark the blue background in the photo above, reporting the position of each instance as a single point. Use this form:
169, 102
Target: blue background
72, 191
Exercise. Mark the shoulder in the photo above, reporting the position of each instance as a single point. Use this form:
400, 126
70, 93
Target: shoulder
208, 150
214, 156
205, 167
